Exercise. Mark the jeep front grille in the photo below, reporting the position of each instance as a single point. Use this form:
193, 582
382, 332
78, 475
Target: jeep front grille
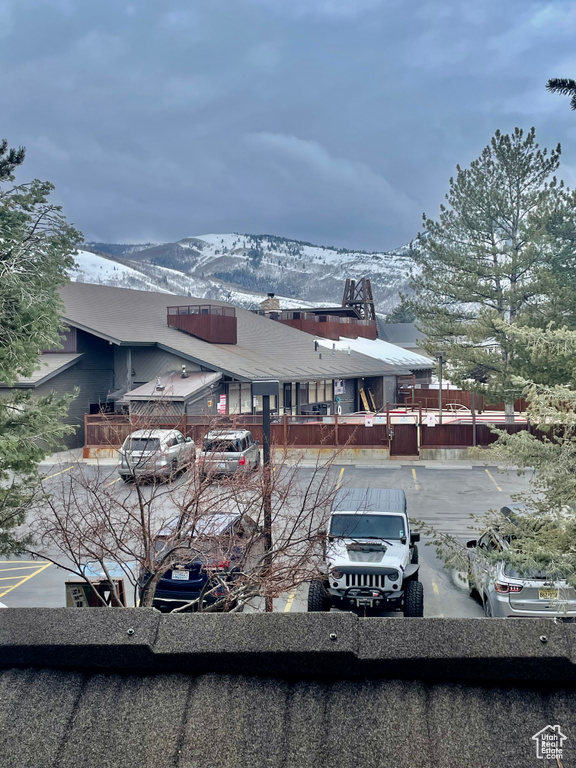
365, 580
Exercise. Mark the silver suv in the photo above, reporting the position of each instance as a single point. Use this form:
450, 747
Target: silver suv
371, 557
155, 453
226, 451
503, 590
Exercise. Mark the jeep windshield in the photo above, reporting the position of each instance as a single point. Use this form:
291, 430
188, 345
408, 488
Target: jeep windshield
358, 526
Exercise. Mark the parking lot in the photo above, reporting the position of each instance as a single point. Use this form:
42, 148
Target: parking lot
445, 496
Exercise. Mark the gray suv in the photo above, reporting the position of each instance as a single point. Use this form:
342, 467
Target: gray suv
371, 557
155, 453
226, 451
503, 590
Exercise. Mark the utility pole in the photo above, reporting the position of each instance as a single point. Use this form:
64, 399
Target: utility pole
266, 389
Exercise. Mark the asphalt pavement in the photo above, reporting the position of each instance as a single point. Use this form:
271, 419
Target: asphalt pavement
441, 494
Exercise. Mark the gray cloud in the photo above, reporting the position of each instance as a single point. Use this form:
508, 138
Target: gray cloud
333, 121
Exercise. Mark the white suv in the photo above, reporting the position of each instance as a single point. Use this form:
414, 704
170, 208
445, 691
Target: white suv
371, 557
155, 453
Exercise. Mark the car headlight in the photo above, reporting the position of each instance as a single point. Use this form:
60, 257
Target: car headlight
336, 574
393, 576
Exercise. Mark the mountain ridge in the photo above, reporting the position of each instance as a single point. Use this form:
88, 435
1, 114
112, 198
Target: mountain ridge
243, 268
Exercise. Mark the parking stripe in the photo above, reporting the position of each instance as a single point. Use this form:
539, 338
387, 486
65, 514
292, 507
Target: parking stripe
112, 483
494, 481
288, 605
48, 477
25, 579
435, 588
339, 483
416, 486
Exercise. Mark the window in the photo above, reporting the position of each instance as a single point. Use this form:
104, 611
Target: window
312, 392
320, 391
144, 444
486, 544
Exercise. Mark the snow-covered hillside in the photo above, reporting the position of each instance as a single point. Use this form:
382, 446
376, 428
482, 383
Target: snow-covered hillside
243, 268
93, 268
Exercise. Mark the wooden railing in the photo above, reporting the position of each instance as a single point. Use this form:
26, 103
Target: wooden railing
110, 430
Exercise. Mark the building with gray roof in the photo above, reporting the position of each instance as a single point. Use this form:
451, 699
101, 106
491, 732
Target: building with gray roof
121, 340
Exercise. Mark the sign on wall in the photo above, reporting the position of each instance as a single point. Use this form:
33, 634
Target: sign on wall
339, 386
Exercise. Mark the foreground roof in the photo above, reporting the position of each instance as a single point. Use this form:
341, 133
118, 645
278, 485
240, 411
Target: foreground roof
112, 688
265, 348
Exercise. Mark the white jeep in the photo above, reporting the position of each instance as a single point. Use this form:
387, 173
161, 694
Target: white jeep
370, 557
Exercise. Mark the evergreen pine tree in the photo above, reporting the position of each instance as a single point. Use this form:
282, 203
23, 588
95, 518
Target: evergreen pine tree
565, 86
35, 247
491, 261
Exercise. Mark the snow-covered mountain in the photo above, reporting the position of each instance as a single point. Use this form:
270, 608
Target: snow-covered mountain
242, 269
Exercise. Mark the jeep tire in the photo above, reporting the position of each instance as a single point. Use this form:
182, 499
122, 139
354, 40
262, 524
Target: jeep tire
413, 599
318, 599
414, 555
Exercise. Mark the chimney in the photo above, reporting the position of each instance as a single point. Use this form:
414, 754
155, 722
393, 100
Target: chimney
270, 304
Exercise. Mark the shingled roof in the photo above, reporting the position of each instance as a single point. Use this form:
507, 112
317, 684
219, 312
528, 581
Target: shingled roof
104, 688
265, 348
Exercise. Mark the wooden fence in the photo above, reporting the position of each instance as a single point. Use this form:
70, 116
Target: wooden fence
429, 398
110, 430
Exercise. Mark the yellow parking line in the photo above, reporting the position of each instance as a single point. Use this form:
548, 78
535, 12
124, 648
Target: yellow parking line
289, 602
23, 568
26, 578
416, 486
435, 588
21, 562
112, 483
339, 483
59, 473
494, 481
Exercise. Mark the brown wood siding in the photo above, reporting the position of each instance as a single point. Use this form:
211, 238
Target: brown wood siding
217, 329
333, 327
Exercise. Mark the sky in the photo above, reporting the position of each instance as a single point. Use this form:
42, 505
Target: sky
337, 122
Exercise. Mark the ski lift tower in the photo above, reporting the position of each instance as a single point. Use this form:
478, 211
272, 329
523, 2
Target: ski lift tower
358, 295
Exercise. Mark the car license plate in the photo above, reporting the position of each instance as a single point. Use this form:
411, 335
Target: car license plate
548, 594
180, 575
223, 465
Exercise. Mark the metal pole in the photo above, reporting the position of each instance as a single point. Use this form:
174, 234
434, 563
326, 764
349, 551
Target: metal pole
267, 490
473, 404
266, 428
440, 389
